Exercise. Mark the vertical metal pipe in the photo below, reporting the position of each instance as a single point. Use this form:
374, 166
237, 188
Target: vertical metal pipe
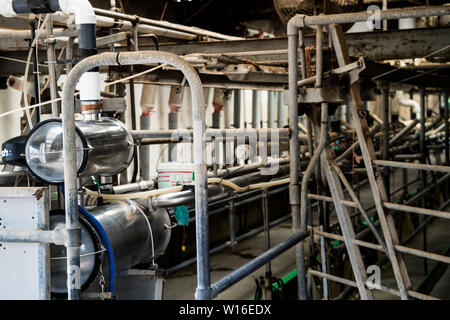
271, 109
216, 120
173, 124
294, 150
447, 135
237, 109
323, 260
255, 109
280, 110
69, 54
145, 150
319, 56
423, 172
37, 94
266, 218
447, 131
71, 200
232, 222
51, 57
385, 142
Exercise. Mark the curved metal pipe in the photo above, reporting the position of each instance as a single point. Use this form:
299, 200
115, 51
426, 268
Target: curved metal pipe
198, 103
304, 188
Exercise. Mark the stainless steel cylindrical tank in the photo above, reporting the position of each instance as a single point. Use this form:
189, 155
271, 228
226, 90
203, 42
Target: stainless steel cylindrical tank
136, 236
104, 147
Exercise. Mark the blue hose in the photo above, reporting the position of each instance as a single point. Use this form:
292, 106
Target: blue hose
102, 233
104, 237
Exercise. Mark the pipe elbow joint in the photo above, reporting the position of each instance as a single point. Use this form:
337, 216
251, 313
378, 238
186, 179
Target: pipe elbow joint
82, 9
7, 9
295, 23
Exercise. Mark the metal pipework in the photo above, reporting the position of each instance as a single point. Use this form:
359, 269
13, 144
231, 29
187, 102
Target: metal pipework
198, 103
186, 197
132, 187
301, 21
242, 272
307, 175
385, 140
164, 24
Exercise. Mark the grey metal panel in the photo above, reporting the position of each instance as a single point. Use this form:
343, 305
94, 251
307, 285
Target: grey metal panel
24, 267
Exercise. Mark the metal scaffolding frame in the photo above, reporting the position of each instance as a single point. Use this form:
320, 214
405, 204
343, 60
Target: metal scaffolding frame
380, 196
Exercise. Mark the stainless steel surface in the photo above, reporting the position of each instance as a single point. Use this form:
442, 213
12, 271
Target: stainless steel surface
128, 232
110, 146
198, 103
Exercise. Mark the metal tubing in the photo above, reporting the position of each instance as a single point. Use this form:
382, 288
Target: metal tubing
314, 161
70, 170
294, 150
164, 24
319, 56
447, 135
37, 93
414, 166
423, 173
393, 14
244, 271
51, 57
323, 260
385, 141
231, 217
266, 219
237, 109
280, 110
427, 212
400, 248
351, 149
242, 237
145, 150
271, 109
359, 205
304, 188
216, 133
255, 109
34, 236
404, 131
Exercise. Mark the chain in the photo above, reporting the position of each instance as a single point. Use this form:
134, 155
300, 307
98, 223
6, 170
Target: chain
102, 281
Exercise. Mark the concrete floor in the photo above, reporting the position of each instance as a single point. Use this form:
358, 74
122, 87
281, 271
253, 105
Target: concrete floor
182, 285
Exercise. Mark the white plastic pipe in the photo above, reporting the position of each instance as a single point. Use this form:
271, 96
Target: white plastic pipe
408, 103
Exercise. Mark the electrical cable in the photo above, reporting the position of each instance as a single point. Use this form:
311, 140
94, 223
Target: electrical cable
151, 234
104, 237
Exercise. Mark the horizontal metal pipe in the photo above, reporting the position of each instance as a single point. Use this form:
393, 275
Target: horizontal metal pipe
415, 166
211, 133
239, 203
428, 212
400, 248
351, 283
12, 174
225, 245
164, 24
393, 14
256, 263
330, 199
408, 156
26, 34
143, 185
57, 236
